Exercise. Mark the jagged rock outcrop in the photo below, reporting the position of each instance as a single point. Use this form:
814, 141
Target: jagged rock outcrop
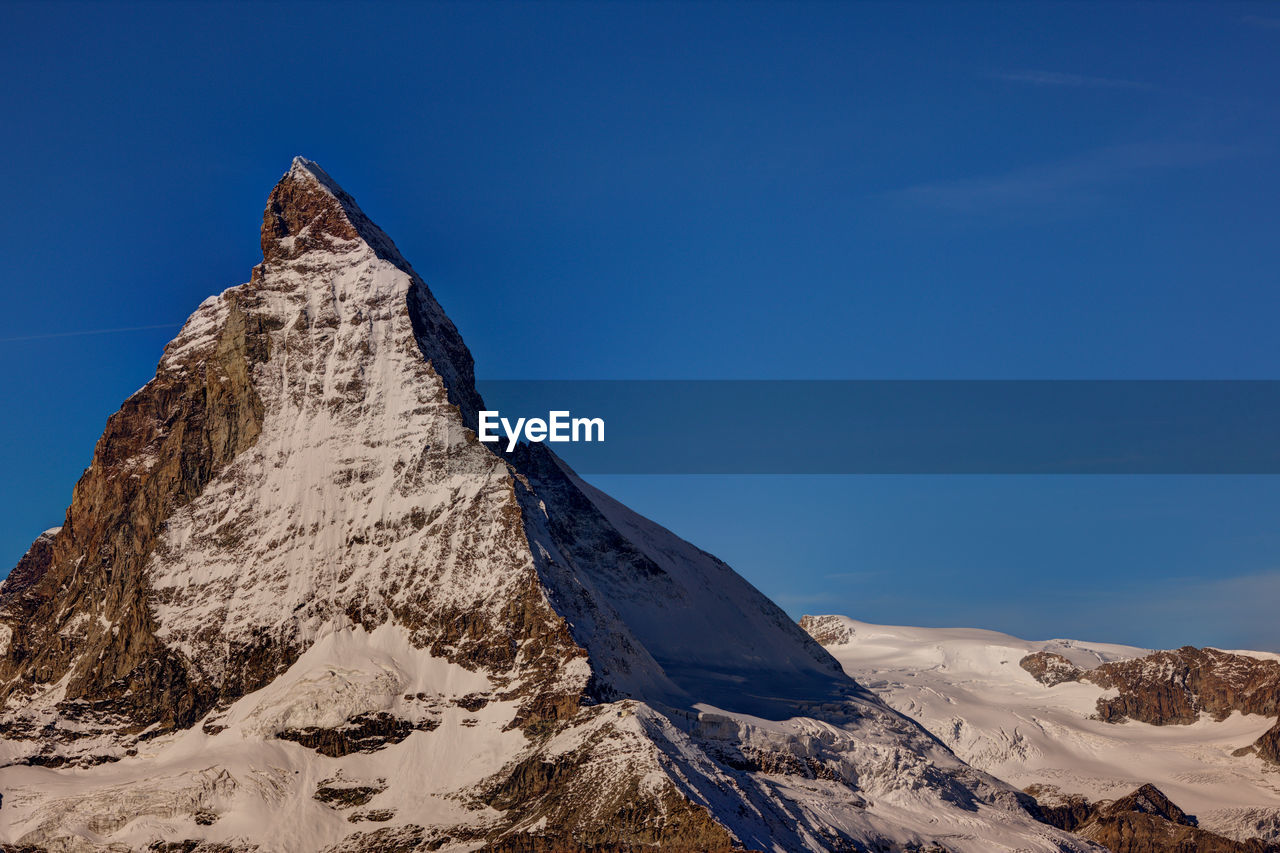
1145, 821
1051, 669
826, 630
1063, 810
30, 569
1268, 746
292, 561
1176, 687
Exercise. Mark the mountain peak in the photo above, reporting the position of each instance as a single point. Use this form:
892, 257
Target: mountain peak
293, 571
311, 223
302, 164
308, 211
302, 169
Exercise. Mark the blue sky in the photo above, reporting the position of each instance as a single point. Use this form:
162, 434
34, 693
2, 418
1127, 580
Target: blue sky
613, 190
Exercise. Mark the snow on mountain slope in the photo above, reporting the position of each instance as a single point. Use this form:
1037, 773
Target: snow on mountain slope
966, 687
296, 605
253, 787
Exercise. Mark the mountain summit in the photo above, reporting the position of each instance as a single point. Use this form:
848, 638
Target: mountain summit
296, 605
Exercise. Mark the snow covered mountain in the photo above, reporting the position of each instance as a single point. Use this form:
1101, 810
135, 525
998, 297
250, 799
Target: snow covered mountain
992, 699
295, 605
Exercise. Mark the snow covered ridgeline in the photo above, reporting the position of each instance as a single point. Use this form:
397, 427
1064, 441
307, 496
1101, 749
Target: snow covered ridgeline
298, 605
1040, 725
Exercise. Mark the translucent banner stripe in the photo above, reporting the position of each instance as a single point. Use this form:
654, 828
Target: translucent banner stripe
909, 427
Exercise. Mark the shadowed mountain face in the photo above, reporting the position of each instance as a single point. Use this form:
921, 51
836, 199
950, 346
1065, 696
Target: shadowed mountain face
293, 584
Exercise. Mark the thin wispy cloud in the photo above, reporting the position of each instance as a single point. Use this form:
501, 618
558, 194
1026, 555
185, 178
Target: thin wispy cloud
1062, 183
853, 576
790, 600
46, 335
1067, 80
1229, 612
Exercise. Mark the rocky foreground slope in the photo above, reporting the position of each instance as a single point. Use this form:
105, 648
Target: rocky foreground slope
1114, 741
295, 605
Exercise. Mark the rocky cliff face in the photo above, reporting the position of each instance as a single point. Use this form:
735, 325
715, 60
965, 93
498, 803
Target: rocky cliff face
81, 629
296, 605
1176, 687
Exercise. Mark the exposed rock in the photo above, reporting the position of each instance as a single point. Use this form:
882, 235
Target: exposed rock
827, 630
1176, 687
1050, 669
301, 217
398, 839
362, 733
561, 793
1148, 800
339, 794
1065, 811
1135, 832
1268, 746
1145, 821
195, 845
474, 701
30, 569
80, 614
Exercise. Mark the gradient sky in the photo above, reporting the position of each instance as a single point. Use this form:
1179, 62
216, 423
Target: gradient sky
715, 190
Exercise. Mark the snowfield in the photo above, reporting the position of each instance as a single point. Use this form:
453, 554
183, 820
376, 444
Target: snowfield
261, 789
966, 687
230, 781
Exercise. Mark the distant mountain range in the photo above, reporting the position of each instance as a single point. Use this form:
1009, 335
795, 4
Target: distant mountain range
1082, 724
